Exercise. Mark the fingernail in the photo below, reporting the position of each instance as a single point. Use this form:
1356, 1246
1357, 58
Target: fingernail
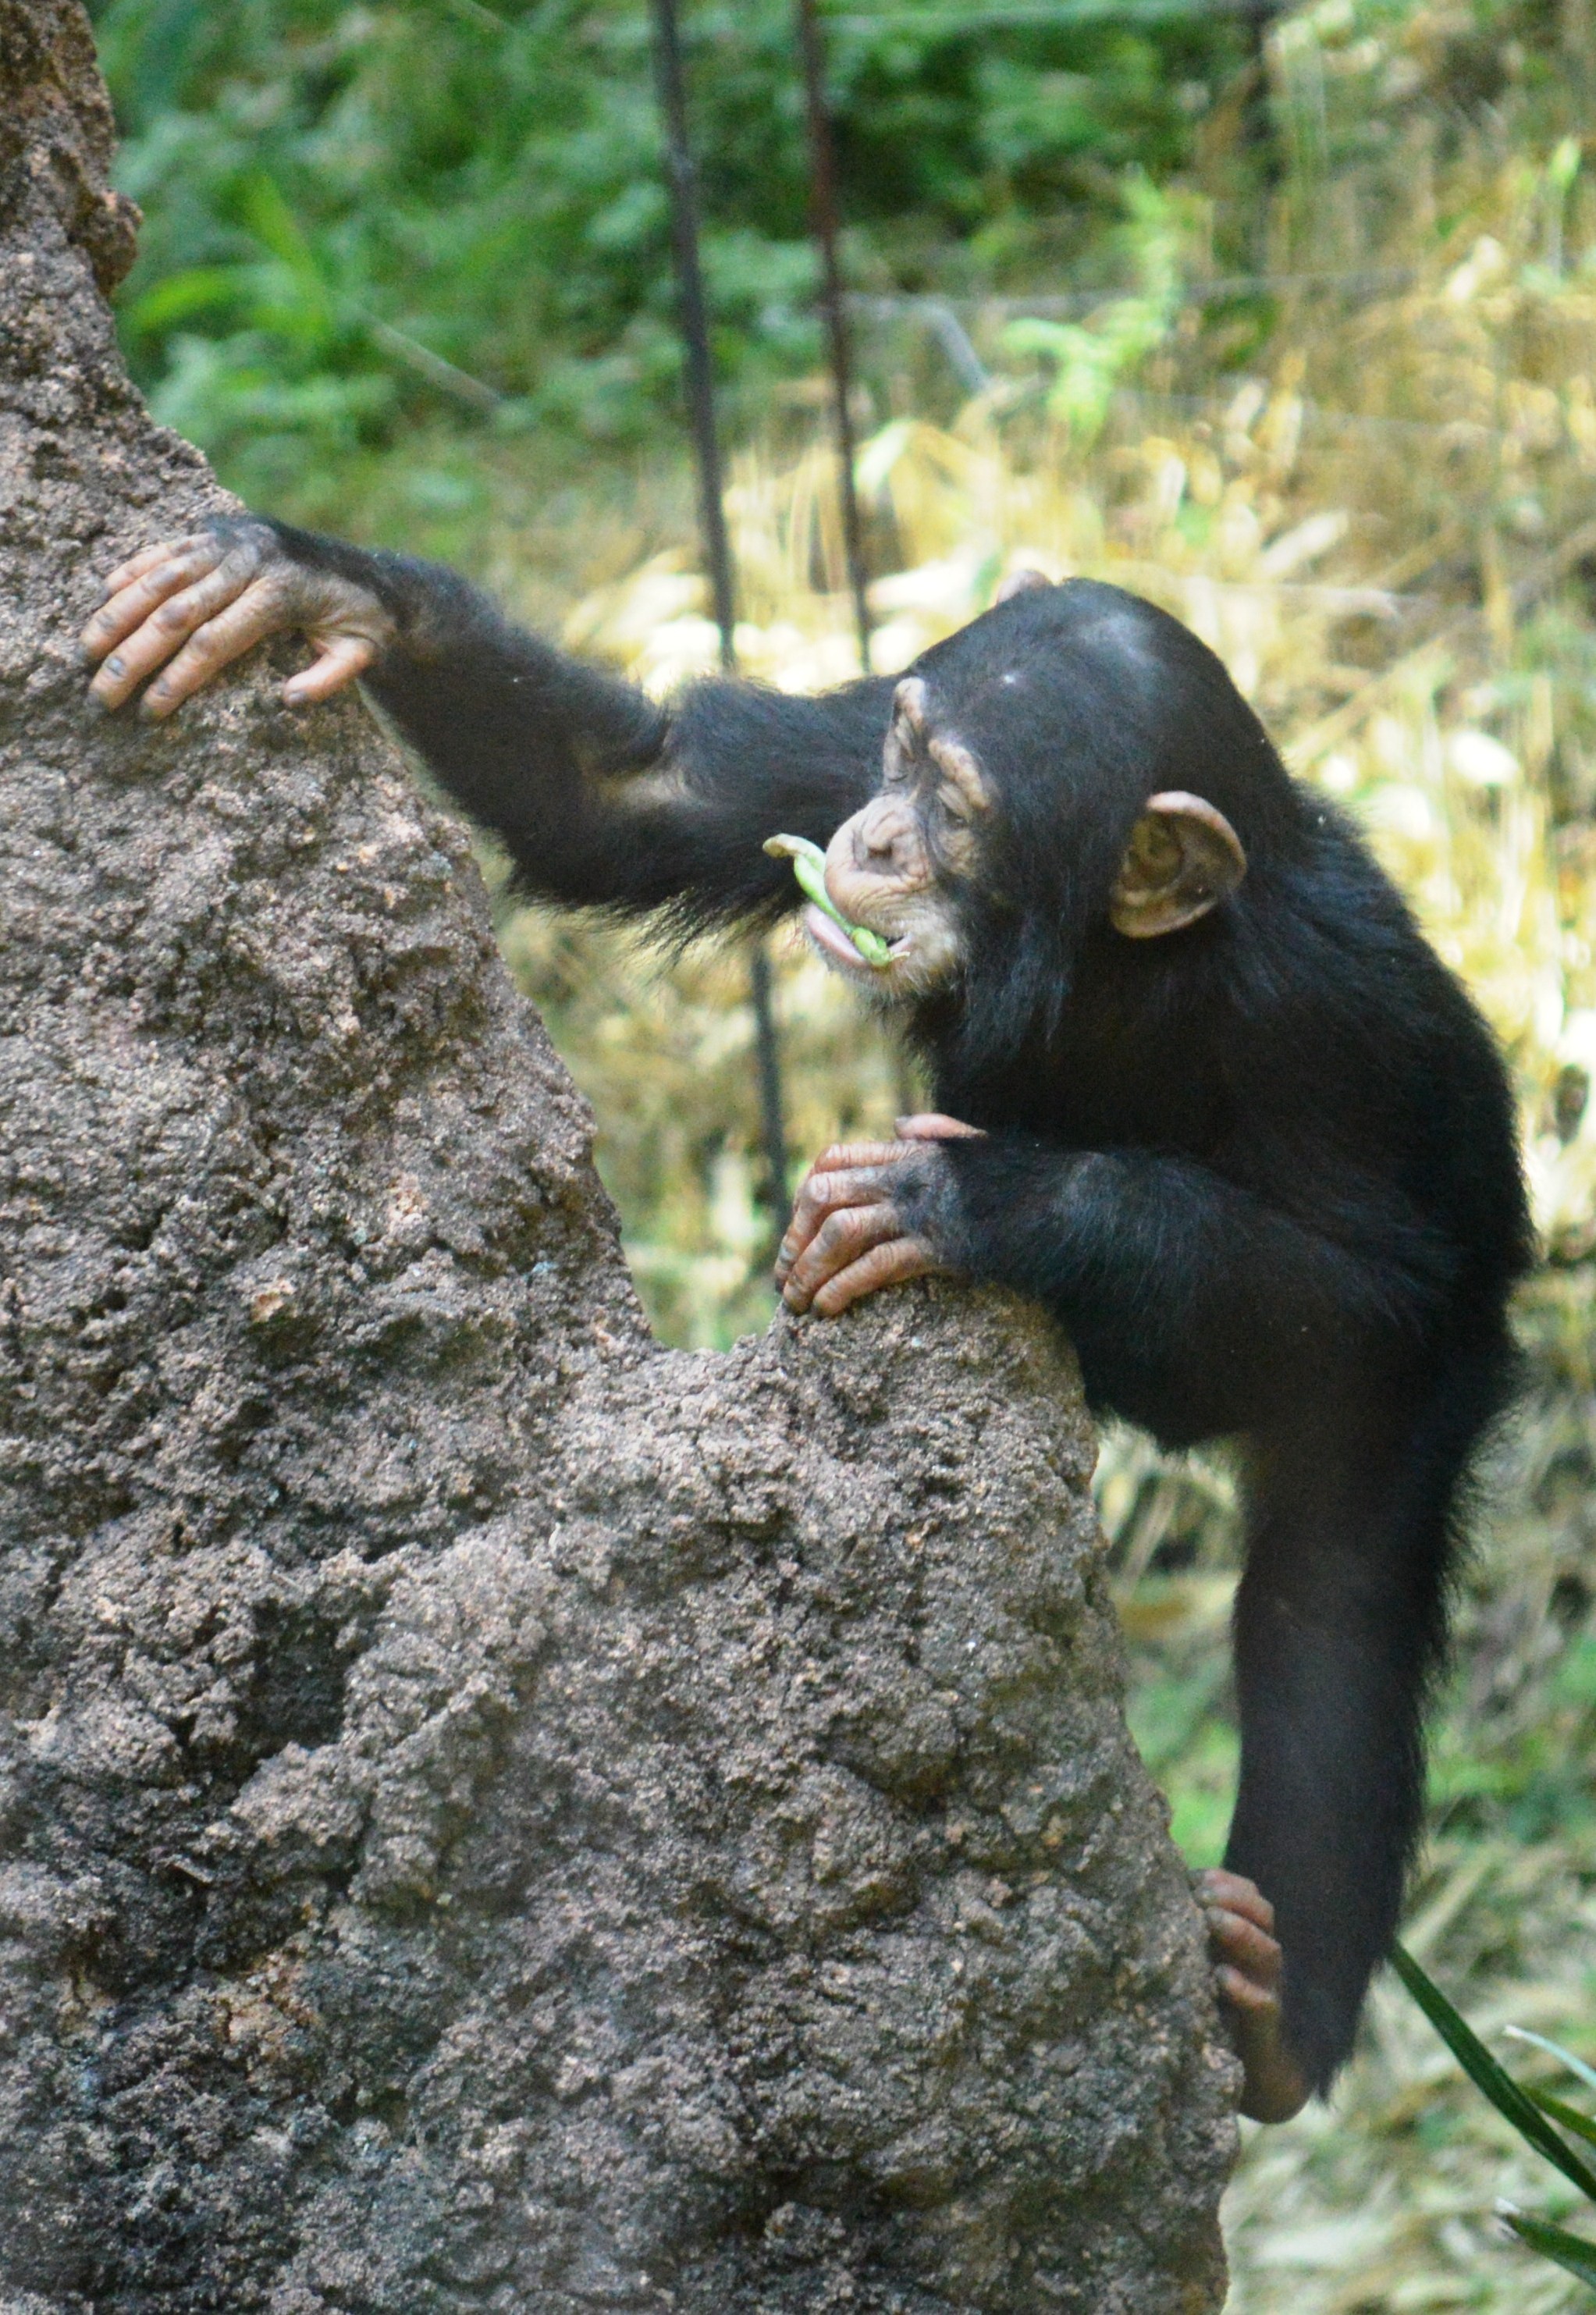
293, 696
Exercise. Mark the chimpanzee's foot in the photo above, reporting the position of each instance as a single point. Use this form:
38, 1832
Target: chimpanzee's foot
1247, 1976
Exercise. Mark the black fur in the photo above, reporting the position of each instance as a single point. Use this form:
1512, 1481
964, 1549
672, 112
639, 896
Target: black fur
1264, 1170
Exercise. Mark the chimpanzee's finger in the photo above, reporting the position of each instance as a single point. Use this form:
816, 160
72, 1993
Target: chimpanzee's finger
1235, 1893
180, 616
1019, 583
160, 632
841, 1238
137, 565
342, 658
130, 605
885, 1264
1246, 1946
933, 1125
164, 550
255, 613
819, 1194
823, 1194
857, 1153
1238, 1988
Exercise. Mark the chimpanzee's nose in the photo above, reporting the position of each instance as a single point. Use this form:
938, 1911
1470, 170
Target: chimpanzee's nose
878, 837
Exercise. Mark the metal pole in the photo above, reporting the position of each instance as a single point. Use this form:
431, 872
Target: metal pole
772, 1122
823, 222
698, 376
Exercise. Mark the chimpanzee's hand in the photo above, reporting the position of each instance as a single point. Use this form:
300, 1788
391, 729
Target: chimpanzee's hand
1247, 1978
849, 1234
216, 594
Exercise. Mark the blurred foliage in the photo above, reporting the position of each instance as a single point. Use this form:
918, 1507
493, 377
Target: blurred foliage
346, 200
1369, 480
393, 247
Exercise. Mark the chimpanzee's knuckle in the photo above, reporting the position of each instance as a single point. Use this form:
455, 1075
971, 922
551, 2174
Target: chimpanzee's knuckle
276, 588
231, 575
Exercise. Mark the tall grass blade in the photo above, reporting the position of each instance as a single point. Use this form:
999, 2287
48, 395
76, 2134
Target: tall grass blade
1587, 2074
1570, 2252
1498, 2085
1582, 2124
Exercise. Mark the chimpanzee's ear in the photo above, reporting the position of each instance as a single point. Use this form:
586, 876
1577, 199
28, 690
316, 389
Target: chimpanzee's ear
1183, 857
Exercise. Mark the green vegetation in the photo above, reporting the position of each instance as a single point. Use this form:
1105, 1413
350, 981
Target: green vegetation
1369, 480
345, 201
1532, 2113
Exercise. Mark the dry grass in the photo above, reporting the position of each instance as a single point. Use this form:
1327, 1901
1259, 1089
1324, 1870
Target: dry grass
1387, 529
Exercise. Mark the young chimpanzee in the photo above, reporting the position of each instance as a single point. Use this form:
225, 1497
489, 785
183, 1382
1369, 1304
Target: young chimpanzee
1207, 1095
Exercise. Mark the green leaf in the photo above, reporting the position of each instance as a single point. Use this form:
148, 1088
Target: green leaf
808, 866
1570, 2252
1582, 2124
1483, 2069
1587, 2074
200, 289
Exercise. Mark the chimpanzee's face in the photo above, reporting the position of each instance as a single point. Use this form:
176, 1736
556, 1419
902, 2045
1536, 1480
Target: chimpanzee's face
895, 866
924, 861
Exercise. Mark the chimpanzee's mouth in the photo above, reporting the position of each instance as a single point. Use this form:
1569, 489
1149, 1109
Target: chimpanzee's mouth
837, 949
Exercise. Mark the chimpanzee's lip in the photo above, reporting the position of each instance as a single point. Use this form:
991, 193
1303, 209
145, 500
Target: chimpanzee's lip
829, 936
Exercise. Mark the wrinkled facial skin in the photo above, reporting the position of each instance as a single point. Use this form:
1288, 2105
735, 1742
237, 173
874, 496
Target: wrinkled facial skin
894, 867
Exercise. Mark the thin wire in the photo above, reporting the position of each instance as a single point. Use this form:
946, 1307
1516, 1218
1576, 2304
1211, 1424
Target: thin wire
698, 376
823, 222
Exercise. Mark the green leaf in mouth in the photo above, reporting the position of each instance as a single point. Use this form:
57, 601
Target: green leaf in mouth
808, 866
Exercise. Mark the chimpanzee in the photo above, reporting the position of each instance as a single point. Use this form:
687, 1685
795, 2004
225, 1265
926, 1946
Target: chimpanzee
1202, 1090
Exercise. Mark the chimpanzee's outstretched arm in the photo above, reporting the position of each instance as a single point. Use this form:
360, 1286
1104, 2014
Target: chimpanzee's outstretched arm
600, 794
